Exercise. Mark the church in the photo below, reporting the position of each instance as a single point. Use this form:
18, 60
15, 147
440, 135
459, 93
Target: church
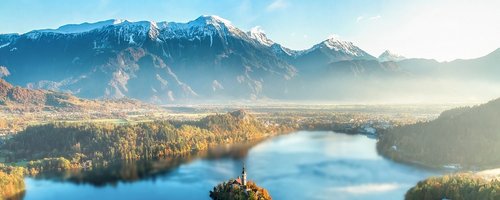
241, 180
239, 188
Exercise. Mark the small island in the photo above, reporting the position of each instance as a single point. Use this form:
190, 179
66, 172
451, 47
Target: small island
240, 189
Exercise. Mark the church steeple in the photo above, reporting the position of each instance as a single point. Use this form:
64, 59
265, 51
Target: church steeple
244, 176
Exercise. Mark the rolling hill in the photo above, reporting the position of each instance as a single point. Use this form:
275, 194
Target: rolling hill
16, 98
465, 137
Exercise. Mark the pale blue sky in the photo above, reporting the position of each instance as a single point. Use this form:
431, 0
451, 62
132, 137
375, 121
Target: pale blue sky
441, 29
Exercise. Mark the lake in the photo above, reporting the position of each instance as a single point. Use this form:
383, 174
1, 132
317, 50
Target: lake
301, 165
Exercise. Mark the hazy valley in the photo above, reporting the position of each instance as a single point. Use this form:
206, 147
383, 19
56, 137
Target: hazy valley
187, 110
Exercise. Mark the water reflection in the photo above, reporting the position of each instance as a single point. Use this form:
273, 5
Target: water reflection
145, 170
18, 196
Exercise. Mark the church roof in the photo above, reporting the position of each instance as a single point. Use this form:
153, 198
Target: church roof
238, 180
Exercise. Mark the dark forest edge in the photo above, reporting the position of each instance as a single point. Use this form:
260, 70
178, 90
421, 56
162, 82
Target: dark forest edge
70, 146
461, 138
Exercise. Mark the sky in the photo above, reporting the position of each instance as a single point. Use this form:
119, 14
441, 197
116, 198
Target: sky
440, 29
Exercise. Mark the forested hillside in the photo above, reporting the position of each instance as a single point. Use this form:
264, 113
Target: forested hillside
15, 98
69, 145
468, 137
11, 182
460, 186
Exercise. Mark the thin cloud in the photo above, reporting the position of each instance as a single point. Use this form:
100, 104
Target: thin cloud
276, 5
360, 18
372, 18
375, 17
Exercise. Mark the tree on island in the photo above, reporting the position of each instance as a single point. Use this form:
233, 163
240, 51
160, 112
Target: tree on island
231, 190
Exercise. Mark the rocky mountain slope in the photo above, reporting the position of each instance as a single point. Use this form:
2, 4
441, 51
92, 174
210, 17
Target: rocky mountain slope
207, 59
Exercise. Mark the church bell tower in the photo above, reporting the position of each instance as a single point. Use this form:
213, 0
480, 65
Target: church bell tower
244, 176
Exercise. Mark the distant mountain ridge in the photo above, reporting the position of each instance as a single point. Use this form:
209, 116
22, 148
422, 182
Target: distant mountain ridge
206, 58
390, 56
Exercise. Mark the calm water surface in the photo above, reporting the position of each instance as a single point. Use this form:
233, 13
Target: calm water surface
303, 165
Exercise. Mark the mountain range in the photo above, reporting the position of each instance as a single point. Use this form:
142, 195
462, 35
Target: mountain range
210, 59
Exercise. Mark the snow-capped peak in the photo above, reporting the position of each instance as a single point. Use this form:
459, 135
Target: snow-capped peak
336, 49
118, 21
390, 56
84, 27
153, 24
125, 27
206, 25
213, 20
258, 34
335, 43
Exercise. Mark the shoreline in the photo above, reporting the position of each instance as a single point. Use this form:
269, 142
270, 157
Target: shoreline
441, 167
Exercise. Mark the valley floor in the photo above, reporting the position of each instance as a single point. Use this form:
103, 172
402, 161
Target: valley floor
350, 116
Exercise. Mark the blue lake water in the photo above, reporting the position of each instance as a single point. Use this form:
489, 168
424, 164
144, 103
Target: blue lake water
302, 165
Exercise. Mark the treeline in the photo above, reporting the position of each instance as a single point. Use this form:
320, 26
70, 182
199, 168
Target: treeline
101, 143
51, 164
469, 137
232, 191
456, 187
11, 182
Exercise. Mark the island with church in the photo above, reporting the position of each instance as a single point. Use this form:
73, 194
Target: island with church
239, 189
